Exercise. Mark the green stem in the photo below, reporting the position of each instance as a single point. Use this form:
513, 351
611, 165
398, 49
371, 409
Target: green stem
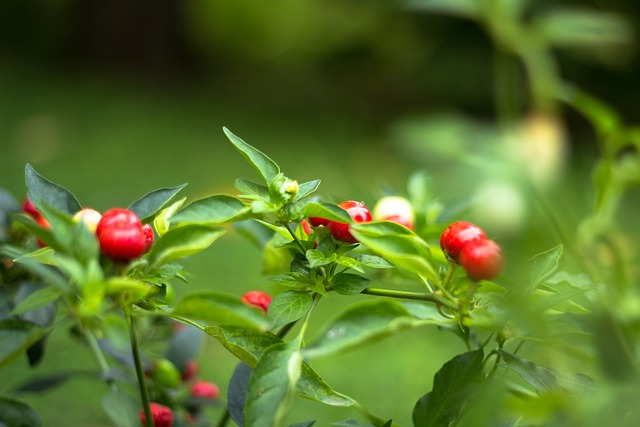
449, 276
142, 384
295, 238
305, 323
432, 297
99, 356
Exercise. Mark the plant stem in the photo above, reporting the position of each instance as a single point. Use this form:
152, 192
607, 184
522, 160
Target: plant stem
295, 238
99, 356
432, 297
142, 384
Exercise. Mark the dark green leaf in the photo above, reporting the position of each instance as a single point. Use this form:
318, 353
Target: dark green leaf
541, 379
44, 192
272, 386
44, 272
36, 300
349, 284
48, 382
249, 345
303, 424
260, 161
151, 203
219, 308
288, 306
211, 210
453, 385
350, 423
182, 242
15, 337
184, 346
237, 395
464, 8
373, 261
14, 413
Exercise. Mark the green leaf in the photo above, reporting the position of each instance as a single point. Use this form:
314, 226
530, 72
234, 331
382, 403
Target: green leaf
44, 272
272, 386
249, 344
260, 161
42, 192
288, 306
293, 280
399, 246
573, 27
464, 8
307, 188
544, 265
37, 299
349, 262
541, 379
15, 337
151, 203
364, 322
328, 211
161, 221
128, 289
211, 210
349, 284
14, 413
252, 190
184, 241
453, 385
373, 261
219, 308
317, 258
121, 408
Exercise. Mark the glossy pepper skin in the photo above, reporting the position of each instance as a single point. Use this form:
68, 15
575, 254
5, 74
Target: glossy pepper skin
482, 260
259, 299
358, 212
121, 235
457, 235
162, 415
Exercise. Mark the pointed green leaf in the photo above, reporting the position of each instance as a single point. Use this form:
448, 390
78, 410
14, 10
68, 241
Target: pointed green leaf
307, 188
219, 308
37, 299
399, 246
349, 262
293, 279
453, 384
151, 203
252, 190
44, 192
260, 161
328, 211
272, 386
288, 306
349, 284
541, 379
161, 221
211, 210
249, 344
317, 258
373, 261
15, 337
365, 322
544, 265
182, 242
14, 413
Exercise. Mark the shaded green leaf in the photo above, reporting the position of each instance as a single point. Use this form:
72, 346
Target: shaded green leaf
541, 379
121, 408
43, 192
260, 161
373, 261
463, 8
15, 337
36, 300
219, 308
317, 258
327, 211
272, 386
211, 210
288, 306
184, 346
307, 188
293, 280
46, 383
237, 393
399, 246
14, 413
349, 284
252, 190
544, 265
453, 385
151, 203
182, 242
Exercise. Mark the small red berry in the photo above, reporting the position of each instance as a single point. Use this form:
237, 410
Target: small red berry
316, 221
121, 235
148, 237
458, 235
257, 298
29, 208
358, 212
205, 390
481, 259
190, 370
162, 415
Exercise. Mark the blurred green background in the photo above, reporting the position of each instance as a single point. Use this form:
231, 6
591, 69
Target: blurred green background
115, 99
